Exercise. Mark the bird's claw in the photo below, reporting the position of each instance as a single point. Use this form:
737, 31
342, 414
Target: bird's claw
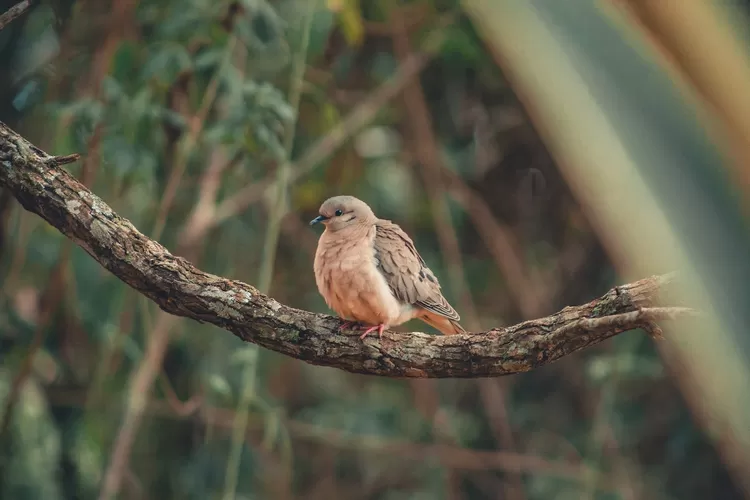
349, 324
355, 325
379, 328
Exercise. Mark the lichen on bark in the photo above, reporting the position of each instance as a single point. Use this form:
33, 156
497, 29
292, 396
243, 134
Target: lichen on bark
178, 287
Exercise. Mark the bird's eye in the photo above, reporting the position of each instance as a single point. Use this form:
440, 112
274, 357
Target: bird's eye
338, 212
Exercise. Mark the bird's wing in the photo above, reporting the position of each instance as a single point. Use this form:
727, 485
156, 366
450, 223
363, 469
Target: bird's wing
410, 280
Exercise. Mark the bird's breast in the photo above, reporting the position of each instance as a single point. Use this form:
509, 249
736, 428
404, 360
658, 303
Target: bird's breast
351, 284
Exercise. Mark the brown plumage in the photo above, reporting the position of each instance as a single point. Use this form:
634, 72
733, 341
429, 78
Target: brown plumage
369, 271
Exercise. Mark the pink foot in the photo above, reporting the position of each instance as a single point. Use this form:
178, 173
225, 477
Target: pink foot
379, 328
349, 325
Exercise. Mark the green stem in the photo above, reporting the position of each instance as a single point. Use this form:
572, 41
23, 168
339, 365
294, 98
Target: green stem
277, 211
239, 426
595, 455
280, 204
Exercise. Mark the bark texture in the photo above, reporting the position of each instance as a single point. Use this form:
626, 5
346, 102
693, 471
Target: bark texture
39, 183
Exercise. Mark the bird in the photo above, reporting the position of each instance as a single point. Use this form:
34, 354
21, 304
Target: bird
370, 273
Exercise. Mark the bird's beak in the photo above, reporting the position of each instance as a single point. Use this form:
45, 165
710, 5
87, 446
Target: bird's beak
319, 218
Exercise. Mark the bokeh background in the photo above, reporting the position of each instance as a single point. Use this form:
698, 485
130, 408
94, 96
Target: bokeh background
539, 152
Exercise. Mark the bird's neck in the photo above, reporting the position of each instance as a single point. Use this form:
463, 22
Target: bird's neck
358, 232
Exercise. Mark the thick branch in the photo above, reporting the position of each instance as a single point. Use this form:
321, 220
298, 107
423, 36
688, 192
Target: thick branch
179, 288
14, 12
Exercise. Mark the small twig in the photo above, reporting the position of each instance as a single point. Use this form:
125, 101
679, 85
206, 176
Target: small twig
640, 318
200, 220
64, 160
183, 409
13, 13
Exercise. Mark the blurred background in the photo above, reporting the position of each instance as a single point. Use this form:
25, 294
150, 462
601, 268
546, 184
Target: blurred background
539, 152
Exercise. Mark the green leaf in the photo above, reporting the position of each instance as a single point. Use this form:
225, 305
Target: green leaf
220, 386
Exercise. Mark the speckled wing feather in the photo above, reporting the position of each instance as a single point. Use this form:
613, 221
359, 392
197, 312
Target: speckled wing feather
411, 281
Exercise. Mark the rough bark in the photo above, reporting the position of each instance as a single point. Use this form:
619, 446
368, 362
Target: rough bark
38, 182
14, 12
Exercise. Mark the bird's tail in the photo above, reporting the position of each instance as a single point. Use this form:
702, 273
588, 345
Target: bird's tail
445, 325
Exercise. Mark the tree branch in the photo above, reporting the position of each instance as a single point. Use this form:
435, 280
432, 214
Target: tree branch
179, 288
14, 12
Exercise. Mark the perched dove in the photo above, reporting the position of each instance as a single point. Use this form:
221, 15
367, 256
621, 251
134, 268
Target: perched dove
369, 271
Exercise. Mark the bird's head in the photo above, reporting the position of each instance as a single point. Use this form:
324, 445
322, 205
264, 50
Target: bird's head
341, 212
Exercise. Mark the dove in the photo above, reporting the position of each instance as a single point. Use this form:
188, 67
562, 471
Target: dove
370, 273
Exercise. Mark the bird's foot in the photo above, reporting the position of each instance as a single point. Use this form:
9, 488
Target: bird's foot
379, 328
350, 325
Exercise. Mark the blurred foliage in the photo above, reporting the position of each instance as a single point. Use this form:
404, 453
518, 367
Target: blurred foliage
152, 91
